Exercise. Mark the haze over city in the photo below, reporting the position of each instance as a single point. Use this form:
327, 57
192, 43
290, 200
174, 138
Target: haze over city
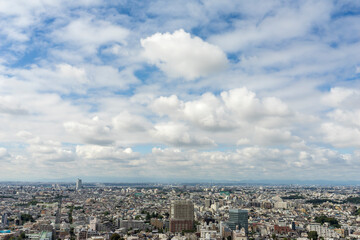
179, 91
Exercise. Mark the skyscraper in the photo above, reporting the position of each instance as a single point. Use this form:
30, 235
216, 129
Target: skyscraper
181, 216
238, 217
58, 212
78, 184
4, 220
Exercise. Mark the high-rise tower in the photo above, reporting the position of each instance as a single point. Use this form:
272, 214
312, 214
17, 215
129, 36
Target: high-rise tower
181, 216
238, 217
78, 184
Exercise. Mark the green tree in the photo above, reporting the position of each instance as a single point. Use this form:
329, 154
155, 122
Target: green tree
26, 218
115, 236
313, 235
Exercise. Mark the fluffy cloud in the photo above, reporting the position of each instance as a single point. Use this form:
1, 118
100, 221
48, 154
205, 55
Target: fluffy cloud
94, 152
236, 116
125, 127
93, 131
342, 97
284, 23
46, 152
178, 135
343, 126
245, 163
180, 55
3, 152
341, 136
229, 110
88, 34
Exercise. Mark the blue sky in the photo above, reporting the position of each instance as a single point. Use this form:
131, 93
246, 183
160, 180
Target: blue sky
217, 90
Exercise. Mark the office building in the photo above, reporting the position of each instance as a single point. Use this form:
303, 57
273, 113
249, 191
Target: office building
181, 216
238, 218
207, 203
4, 220
78, 184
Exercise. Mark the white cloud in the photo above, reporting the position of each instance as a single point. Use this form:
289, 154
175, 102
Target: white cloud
88, 34
341, 136
284, 22
94, 131
343, 126
229, 110
178, 135
95, 152
3, 152
129, 122
180, 55
342, 97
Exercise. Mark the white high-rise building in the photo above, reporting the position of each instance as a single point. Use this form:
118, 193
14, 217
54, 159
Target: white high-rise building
78, 184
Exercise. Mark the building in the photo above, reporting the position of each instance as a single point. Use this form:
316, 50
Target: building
81, 235
159, 224
238, 218
94, 223
181, 216
4, 220
44, 235
239, 234
207, 203
133, 224
78, 184
323, 231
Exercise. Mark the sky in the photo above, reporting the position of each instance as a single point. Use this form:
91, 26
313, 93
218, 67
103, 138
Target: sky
190, 90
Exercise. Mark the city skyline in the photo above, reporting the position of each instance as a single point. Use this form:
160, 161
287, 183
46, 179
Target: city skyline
180, 91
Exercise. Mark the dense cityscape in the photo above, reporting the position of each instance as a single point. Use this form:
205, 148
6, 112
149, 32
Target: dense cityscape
69, 211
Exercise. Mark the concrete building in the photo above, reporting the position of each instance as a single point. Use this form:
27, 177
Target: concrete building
181, 216
323, 231
238, 218
78, 184
4, 220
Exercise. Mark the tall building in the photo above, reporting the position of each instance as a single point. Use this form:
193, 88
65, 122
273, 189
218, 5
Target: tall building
207, 203
58, 212
4, 220
181, 216
78, 184
94, 223
238, 218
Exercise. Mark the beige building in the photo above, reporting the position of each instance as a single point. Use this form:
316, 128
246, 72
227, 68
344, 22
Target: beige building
181, 216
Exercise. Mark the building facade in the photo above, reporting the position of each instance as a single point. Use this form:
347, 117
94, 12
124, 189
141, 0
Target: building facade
78, 184
181, 216
238, 218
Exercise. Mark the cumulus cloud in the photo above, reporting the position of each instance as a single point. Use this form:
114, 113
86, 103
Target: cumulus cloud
178, 134
3, 152
88, 34
342, 97
124, 127
10, 105
229, 110
95, 152
343, 126
284, 23
46, 152
94, 131
248, 162
130, 122
180, 55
